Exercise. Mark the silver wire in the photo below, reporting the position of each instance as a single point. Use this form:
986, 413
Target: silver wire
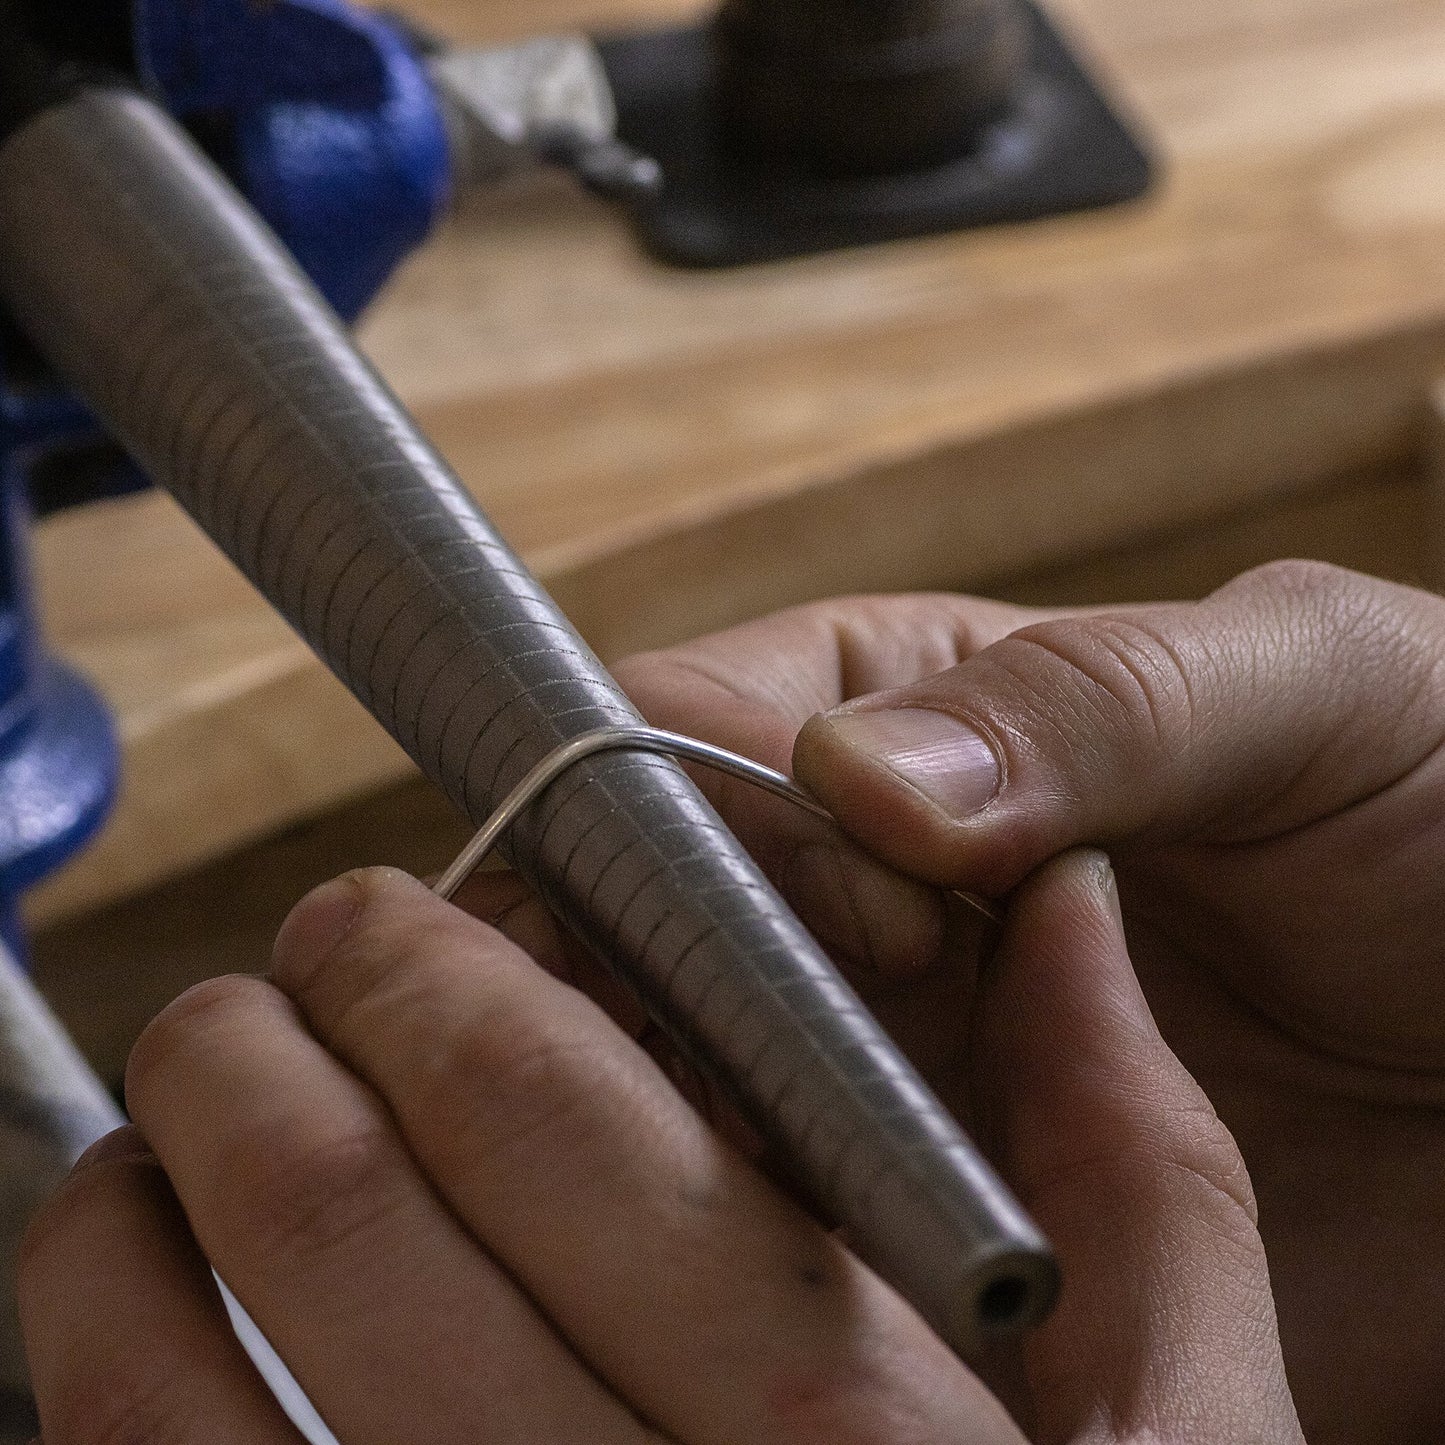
643, 740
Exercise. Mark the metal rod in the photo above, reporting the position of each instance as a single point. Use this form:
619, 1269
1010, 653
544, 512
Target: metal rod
643, 740
150, 284
638, 739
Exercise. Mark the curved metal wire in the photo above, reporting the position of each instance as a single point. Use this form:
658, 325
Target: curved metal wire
645, 740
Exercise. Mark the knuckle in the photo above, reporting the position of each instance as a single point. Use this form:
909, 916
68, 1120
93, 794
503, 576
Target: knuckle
1121, 672
1334, 608
119, 1406
866, 1403
1384, 633
1187, 1165
1203, 1154
1154, 1156
520, 1083
179, 1032
302, 1201
1297, 577
1316, 601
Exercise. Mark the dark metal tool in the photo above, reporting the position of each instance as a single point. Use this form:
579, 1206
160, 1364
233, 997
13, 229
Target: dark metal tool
786, 127
149, 283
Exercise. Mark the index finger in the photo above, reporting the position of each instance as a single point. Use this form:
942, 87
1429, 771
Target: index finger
708, 1301
751, 688
756, 684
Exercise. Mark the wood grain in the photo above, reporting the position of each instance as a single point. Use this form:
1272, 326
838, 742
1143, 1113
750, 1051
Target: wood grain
675, 451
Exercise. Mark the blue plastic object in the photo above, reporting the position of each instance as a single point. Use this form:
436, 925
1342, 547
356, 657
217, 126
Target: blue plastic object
59, 761
332, 128
325, 118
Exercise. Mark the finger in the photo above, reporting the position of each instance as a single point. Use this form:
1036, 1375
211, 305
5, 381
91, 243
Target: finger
751, 688
1166, 1328
1296, 691
764, 678
909, 1012
719, 1310
126, 1334
307, 1202
504, 901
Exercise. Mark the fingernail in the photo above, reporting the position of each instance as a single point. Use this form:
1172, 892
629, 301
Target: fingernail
942, 758
125, 1145
1103, 871
1097, 871
1108, 882
317, 924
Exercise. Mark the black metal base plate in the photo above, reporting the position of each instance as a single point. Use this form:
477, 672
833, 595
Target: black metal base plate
1061, 148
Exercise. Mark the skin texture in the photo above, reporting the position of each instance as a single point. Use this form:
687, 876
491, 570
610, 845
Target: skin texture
466, 1204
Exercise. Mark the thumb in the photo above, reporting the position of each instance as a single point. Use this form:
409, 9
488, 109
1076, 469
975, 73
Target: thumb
1166, 1326
1296, 691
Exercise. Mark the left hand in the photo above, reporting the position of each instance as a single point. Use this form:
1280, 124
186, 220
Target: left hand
464, 1205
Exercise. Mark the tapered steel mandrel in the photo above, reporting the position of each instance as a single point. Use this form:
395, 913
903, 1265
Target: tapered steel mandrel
150, 284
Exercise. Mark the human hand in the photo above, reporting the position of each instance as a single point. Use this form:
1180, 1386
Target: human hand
1266, 769
465, 1206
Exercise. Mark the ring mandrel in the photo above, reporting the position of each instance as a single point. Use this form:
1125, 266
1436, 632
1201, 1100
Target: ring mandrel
644, 740
193, 335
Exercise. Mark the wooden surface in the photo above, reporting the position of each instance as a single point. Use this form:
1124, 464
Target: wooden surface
675, 451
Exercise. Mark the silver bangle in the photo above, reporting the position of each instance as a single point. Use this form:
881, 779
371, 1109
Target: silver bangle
633, 739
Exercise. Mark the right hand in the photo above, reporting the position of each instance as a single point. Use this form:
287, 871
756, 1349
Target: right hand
1267, 770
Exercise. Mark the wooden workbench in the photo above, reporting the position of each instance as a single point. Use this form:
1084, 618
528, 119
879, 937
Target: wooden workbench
1237, 367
